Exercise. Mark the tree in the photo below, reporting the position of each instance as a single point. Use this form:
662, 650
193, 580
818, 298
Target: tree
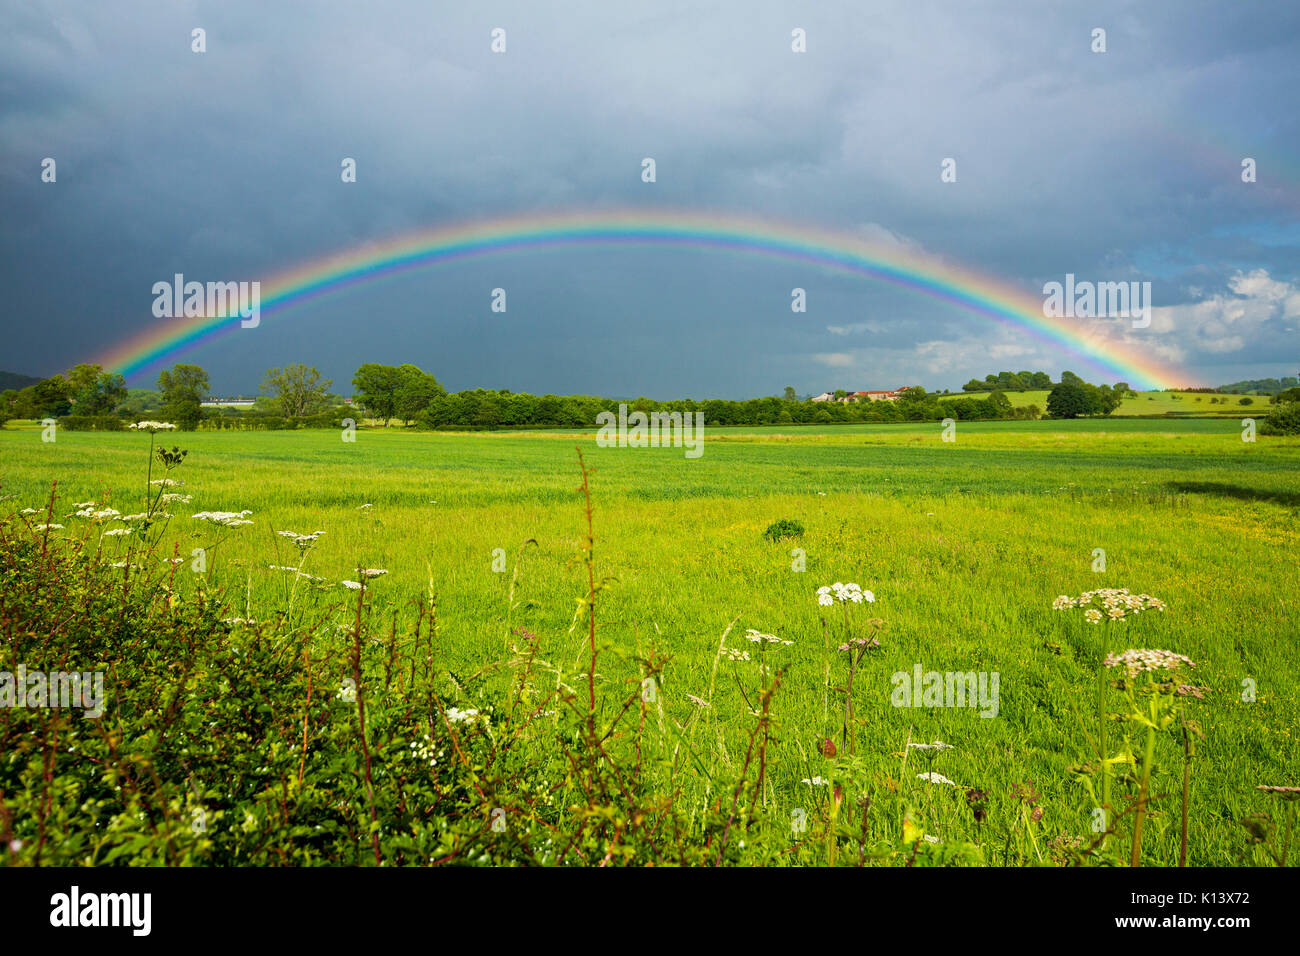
790, 394
48, 398
94, 391
1070, 400
298, 388
416, 389
376, 386
1108, 399
183, 389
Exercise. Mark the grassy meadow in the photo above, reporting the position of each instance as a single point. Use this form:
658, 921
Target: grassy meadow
1139, 404
965, 545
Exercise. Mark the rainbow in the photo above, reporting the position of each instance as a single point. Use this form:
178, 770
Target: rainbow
992, 299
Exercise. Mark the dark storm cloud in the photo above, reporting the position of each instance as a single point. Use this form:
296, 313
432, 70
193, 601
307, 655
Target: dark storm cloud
226, 165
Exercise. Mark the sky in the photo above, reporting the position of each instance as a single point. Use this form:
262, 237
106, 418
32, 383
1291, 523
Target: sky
1123, 165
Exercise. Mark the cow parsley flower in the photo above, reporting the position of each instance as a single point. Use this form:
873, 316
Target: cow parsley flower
227, 519
1142, 660
935, 778
844, 593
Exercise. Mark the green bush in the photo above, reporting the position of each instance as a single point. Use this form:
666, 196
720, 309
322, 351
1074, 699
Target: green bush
1284, 419
785, 528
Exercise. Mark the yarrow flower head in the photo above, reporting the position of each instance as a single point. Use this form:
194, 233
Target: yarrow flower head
152, 427
844, 593
1113, 604
1141, 660
301, 541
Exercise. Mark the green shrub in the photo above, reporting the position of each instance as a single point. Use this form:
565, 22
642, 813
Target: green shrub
785, 528
1284, 419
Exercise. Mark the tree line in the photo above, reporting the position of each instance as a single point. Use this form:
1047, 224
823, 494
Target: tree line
88, 397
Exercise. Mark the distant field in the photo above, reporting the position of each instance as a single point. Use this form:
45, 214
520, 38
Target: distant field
965, 545
1152, 403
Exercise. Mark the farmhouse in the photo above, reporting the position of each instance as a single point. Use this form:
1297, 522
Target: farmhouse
871, 395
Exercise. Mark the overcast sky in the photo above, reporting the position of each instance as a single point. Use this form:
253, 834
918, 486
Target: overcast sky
226, 165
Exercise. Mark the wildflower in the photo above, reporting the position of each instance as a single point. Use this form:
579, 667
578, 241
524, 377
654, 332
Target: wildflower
167, 483
351, 585
237, 620
365, 507
301, 541
172, 497
49, 527
732, 654
816, 782
75, 504
115, 532
102, 514
1025, 792
373, 572
860, 642
1142, 660
1191, 690
457, 716
33, 511
698, 702
1115, 603
348, 693
227, 519
937, 745
843, 593
152, 427
935, 778
757, 638
422, 750
828, 747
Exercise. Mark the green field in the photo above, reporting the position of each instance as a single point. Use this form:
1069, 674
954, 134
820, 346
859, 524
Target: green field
965, 544
1150, 403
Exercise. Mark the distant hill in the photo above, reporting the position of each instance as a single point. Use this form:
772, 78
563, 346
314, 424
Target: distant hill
1261, 386
15, 381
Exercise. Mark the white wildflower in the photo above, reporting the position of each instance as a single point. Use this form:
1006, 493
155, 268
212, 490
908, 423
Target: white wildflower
935, 778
